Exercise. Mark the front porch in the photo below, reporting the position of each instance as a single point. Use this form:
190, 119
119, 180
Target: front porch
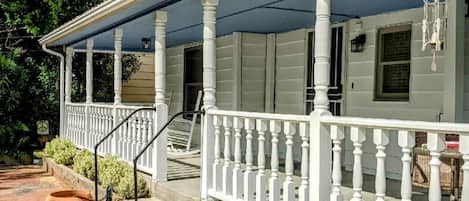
278, 141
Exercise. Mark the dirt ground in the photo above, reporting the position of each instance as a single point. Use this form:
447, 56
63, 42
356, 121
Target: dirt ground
27, 183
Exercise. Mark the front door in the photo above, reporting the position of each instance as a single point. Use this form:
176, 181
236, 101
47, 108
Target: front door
335, 92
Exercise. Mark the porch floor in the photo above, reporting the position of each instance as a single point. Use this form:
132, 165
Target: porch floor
184, 180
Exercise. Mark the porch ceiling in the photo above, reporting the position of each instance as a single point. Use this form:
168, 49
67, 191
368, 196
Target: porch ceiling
260, 16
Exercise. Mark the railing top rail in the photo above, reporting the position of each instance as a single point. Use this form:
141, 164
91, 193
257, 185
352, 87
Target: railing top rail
259, 115
423, 126
108, 105
75, 104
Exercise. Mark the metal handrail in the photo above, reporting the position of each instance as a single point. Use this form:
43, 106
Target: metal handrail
106, 137
151, 142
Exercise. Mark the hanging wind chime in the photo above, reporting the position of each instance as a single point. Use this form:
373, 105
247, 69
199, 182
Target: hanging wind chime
434, 27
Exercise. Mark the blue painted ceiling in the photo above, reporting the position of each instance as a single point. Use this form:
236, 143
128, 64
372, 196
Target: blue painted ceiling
260, 16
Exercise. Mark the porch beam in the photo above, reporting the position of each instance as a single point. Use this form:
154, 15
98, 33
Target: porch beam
118, 66
160, 156
209, 100
68, 74
89, 70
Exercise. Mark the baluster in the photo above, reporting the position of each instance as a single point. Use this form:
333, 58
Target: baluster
249, 182
337, 135
261, 127
464, 149
381, 139
134, 137
288, 186
149, 136
435, 145
227, 171
140, 135
237, 172
144, 137
304, 189
358, 136
129, 136
274, 182
217, 171
406, 142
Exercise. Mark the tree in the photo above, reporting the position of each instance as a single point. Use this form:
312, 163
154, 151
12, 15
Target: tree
28, 76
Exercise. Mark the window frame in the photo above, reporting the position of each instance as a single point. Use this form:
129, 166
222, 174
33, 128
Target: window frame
379, 95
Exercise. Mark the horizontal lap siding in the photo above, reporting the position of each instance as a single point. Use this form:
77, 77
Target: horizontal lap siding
253, 63
426, 87
224, 93
174, 77
290, 72
466, 78
140, 88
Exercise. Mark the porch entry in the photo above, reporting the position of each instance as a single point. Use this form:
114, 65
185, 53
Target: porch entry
335, 93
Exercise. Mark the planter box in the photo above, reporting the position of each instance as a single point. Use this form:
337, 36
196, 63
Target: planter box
76, 180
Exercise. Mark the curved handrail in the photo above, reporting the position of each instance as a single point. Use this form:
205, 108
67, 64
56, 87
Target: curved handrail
96, 146
151, 142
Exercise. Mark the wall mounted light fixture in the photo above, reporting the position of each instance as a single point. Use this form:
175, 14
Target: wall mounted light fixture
358, 43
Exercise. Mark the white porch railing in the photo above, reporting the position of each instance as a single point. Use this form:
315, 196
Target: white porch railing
86, 124
238, 177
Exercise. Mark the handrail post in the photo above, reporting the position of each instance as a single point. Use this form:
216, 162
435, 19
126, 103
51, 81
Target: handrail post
160, 155
320, 158
208, 153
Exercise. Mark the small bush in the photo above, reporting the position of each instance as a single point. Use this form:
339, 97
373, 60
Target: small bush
83, 164
111, 170
61, 150
125, 189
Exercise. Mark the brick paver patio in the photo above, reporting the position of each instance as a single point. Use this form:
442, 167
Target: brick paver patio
27, 183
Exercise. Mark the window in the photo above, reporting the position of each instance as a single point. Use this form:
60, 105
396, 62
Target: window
193, 77
393, 64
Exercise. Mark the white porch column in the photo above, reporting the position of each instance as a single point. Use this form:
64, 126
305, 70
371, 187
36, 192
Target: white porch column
89, 91
209, 100
161, 115
68, 75
209, 51
117, 66
89, 70
322, 51
320, 138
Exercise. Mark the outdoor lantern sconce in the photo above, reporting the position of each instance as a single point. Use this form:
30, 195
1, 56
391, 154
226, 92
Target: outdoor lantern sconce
146, 43
358, 43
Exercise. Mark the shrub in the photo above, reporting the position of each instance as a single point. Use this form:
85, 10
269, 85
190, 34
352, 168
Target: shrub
125, 189
83, 164
61, 150
111, 170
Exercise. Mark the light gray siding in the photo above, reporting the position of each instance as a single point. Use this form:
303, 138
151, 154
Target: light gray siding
253, 62
225, 72
175, 77
291, 60
426, 87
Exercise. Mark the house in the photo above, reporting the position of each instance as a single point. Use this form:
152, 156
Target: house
264, 67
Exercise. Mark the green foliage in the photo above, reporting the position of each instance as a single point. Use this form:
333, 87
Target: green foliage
125, 189
13, 89
83, 164
111, 170
119, 175
61, 150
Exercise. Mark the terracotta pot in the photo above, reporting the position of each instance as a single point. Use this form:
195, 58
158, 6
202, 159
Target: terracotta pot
70, 195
